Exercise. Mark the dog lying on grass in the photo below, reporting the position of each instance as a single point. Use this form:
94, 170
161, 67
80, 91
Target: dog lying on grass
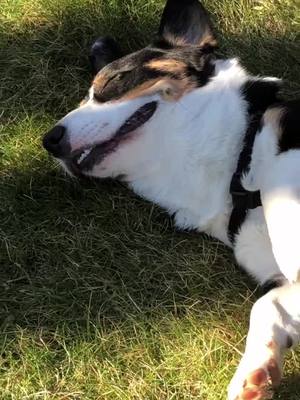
213, 145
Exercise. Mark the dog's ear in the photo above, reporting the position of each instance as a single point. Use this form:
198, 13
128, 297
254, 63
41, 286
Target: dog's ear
104, 51
186, 22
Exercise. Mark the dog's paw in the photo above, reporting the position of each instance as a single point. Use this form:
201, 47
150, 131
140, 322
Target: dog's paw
250, 383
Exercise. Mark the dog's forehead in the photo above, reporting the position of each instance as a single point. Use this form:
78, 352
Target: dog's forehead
186, 55
121, 75
129, 62
148, 64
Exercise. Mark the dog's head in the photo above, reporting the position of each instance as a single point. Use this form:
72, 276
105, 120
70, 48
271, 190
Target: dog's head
133, 101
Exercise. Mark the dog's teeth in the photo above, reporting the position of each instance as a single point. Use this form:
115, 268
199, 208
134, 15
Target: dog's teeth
84, 154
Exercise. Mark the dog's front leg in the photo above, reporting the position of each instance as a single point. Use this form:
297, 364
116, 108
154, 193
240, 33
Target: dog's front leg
274, 327
275, 318
280, 194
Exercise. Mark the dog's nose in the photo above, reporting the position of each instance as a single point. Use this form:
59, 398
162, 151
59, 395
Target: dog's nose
54, 141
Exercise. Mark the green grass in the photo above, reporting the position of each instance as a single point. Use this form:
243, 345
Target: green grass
100, 298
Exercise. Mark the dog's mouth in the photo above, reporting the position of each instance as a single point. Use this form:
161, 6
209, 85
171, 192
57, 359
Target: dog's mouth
86, 158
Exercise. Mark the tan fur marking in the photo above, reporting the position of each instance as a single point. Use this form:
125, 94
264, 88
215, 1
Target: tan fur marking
99, 81
177, 41
171, 89
82, 103
208, 38
272, 117
172, 66
141, 90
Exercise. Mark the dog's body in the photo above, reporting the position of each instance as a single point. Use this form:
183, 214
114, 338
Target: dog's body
171, 121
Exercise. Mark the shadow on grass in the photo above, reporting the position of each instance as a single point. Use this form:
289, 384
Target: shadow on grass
289, 388
71, 248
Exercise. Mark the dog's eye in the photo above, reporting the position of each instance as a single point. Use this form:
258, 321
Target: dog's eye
110, 85
115, 78
119, 76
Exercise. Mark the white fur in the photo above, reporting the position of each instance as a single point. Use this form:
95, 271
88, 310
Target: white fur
274, 321
277, 177
183, 159
253, 249
281, 200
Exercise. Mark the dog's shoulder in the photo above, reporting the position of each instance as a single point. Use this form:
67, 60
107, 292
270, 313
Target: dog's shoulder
284, 118
261, 93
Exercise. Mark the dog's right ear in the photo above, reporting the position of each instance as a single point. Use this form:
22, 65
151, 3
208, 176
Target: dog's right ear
186, 22
104, 51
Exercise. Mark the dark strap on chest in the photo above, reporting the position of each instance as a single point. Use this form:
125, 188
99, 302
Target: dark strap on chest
242, 199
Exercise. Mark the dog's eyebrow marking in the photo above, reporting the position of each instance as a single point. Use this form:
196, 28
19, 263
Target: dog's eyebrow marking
273, 117
141, 90
178, 88
100, 81
170, 66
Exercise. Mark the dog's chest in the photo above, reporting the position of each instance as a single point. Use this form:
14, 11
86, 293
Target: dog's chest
196, 190
192, 180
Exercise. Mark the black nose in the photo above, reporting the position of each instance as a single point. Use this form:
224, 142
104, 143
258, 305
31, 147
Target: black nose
55, 141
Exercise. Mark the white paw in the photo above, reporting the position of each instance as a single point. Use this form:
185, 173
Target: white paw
257, 375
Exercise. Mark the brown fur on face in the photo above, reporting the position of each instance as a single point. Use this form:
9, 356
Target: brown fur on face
132, 75
171, 81
100, 81
170, 89
170, 66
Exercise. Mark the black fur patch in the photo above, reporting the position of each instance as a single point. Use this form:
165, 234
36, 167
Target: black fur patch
186, 22
260, 94
289, 342
273, 283
290, 126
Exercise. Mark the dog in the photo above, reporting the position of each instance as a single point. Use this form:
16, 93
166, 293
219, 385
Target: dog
214, 146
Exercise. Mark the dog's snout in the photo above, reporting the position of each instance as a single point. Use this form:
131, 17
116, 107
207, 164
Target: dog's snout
55, 141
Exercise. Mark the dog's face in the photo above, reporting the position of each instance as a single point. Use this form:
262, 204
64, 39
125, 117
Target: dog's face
133, 100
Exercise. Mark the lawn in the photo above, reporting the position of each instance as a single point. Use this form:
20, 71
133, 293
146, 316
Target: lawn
100, 297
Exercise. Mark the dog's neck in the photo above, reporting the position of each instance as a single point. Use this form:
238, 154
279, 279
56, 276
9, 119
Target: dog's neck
190, 173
